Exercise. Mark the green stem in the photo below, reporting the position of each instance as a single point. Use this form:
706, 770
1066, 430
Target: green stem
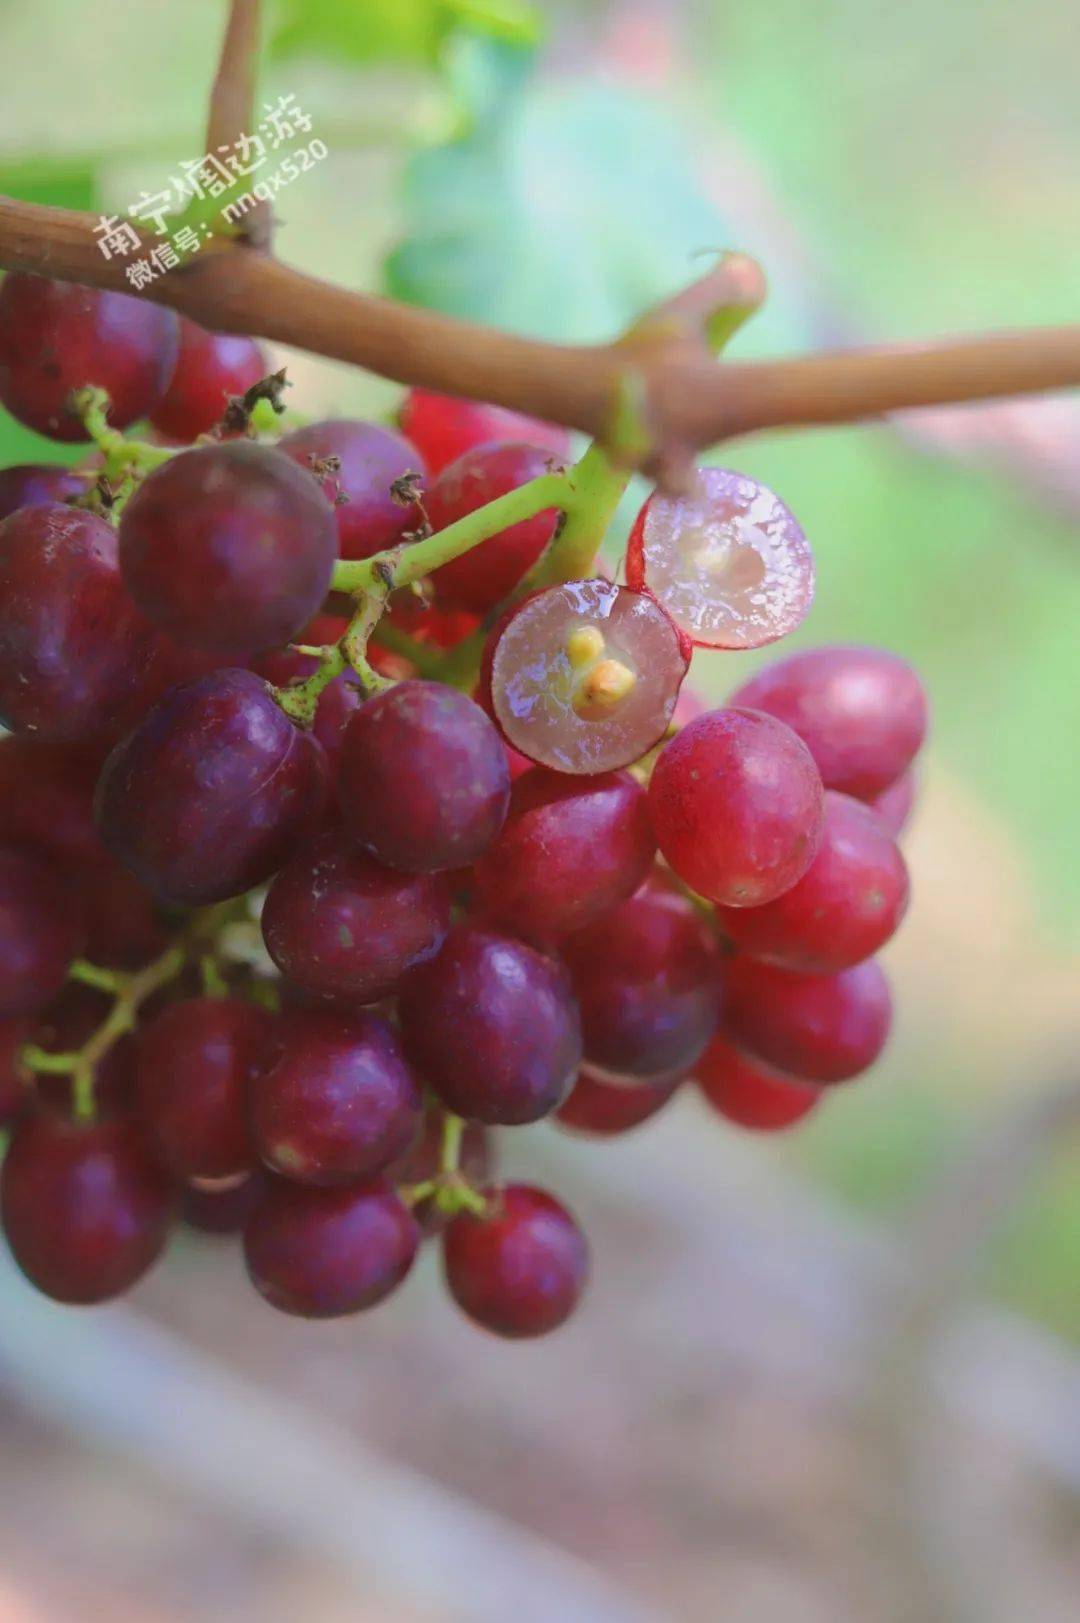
401, 565
122, 456
302, 700
214, 984
105, 980
596, 489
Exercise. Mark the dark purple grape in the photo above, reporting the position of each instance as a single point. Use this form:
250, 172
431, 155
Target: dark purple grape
47, 798
125, 926
85, 1209
339, 1103
480, 578
571, 849
606, 1109
423, 778
819, 1028
371, 460
323, 1253
492, 1027
728, 561
197, 1060
36, 484
229, 548
41, 931
73, 647
520, 1269
212, 791
647, 978
737, 805
847, 904
56, 337
861, 712
211, 367
339, 924
443, 427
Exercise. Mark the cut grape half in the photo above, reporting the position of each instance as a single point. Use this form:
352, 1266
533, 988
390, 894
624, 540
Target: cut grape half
584, 676
728, 562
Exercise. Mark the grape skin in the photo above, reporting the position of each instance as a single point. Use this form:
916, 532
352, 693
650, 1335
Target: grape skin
862, 712
56, 337
212, 792
228, 548
196, 1061
746, 1093
325, 1253
85, 1209
847, 904
423, 778
340, 925
518, 1271
443, 427
372, 460
570, 850
820, 1028
40, 932
211, 368
479, 579
34, 484
738, 806
603, 1109
73, 647
491, 1026
339, 1103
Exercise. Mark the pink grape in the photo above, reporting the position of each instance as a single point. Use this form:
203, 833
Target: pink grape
583, 677
847, 904
862, 712
820, 1028
745, 1092
211, 368
737, 806
443, 427
728, 562
480, 578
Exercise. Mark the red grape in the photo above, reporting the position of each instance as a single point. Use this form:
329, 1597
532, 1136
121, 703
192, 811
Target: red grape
197, 1060
221, 1205
47, 798
229, 548
737, 806
606, 1109
519, 1270
846, 905
728, 561
423, 1162
861, 712
212, 791
56, 337
423, 778
322, 1253
895, 804
482, 577
743, 1091
571, 849
211, 367
339, 1103
492, 1027
443, 427
339, 924
647, 977
41, 931
36, 485
85, 1209
372, 460
584, 677
820, 1028
15, 1079
124, 926
73, 648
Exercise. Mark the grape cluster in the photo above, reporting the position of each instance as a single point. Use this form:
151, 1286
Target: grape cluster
286, 970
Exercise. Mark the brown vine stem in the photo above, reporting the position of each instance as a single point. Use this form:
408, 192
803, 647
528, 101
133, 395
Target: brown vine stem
232, 101
687, 399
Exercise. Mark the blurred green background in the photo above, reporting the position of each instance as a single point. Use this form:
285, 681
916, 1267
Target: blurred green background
554, 172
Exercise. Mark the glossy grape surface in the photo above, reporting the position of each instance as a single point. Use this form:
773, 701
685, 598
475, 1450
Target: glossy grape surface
745, 1092
821, 1028
443, 427
520, 1270
483, 576
372, 460
211, 368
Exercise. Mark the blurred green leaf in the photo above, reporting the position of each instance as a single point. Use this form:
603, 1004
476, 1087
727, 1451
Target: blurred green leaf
404, 30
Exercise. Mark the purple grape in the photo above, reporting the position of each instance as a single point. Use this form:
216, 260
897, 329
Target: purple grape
372, 460
36, 484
